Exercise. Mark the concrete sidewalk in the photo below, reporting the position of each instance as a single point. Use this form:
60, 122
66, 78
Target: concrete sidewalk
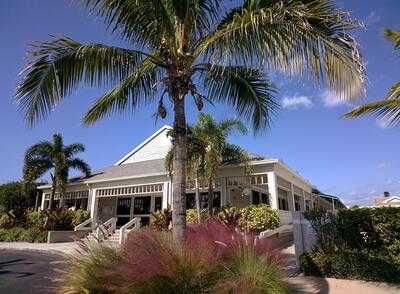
57, 248
314, 285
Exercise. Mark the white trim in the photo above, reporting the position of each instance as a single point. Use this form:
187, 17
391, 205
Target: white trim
140, 146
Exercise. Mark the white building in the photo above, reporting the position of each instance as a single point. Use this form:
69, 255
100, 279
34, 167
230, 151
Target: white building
138, 184
387, 200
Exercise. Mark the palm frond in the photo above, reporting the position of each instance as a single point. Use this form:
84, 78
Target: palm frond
57, 67
72, 149
387, 110
246, 89
43, 149
393, 36
81, 165
307, 38
233, 125
142, 22
133, 91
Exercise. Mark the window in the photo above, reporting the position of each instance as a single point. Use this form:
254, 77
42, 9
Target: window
142, 205
297, 205
255, 199
190, 200
157, 203
283, 199
216, 200
264, 198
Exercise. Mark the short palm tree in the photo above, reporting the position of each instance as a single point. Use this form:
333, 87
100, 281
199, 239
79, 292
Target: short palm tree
181, 49
58, 159
208, 149
388, 110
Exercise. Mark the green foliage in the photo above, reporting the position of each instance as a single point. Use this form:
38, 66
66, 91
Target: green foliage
258, 218
162, 219
359, 243
7, 220
79, 216
14, 197
351, 265
359, 228
191, 215
23, 234
229, 215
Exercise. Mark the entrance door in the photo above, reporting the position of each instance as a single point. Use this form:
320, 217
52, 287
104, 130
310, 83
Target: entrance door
142, 208
123, 211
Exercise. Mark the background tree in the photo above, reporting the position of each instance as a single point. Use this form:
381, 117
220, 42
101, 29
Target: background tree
58, 159
388, 109
181, 48
14, 198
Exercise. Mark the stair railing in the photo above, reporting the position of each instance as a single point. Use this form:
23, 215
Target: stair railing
84, 226
106, 229
133, 224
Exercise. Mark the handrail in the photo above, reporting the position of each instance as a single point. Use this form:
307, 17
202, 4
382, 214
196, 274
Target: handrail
83, 226
109, 227
268, 233
135, 221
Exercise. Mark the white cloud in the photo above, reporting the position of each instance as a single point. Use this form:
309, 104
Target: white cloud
297, 102
372, 18
331, 99
384, 165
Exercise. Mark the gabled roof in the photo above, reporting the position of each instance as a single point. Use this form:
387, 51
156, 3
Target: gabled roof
143, 144
387, 200
125, 171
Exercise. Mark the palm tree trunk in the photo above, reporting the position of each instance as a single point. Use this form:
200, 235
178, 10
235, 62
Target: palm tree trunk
210, 198
179, 171
53, 193
197, 199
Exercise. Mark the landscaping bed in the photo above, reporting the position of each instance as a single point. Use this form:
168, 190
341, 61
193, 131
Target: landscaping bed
359, 244
34, 226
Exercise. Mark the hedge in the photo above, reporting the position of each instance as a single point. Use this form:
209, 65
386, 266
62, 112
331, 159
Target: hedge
23, 234
351, 265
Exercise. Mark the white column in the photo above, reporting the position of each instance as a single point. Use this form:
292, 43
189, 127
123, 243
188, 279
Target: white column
273, 190
165, 195
293, 208
224, 191
94, 207
42, 204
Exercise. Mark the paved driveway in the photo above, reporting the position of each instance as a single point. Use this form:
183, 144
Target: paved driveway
28, 271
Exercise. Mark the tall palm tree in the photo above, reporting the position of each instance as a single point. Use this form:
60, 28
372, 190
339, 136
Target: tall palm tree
208, 150
58, 159
181, 49
388, 109
217, 151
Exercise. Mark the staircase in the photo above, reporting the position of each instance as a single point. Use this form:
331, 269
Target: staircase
107, 232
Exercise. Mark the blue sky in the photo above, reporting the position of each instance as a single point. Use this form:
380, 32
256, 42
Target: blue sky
355, 159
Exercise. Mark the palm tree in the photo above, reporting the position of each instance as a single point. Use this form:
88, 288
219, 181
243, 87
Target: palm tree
208, 150
58, 159
387, 109
181, 49
216, 151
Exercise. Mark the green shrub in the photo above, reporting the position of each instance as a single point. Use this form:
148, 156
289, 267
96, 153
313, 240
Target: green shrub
351, 265
229, 215
162, 219
258, 218
79, 216
21, 234
35, 219
191, 215
6, 220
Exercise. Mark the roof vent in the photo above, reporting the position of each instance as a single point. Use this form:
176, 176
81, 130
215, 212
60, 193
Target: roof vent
386, 194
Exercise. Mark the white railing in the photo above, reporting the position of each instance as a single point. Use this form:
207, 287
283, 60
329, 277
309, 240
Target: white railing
85, 226
285, 217
281, 229
107, 228
125, 229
